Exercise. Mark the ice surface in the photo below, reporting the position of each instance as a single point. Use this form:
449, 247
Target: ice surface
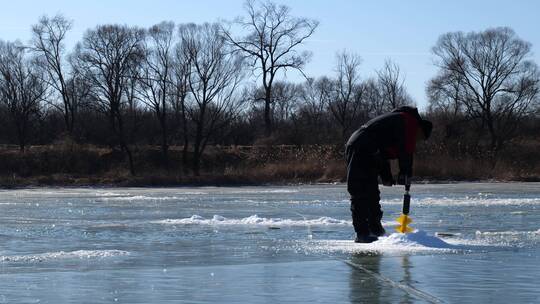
466, 201
213, 245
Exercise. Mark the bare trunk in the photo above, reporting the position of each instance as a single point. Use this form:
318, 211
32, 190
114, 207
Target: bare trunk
267, 112
21, 134
22, 145
164, 143
185, 157
186, 139
197, 151
123, 144
130, 158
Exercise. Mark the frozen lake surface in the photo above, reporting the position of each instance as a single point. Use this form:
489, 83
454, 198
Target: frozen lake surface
475, 243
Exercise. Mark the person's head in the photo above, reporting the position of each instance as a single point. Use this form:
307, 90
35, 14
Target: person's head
424, 127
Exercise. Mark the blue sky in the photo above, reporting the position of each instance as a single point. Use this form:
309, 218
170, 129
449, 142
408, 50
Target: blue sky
403, 31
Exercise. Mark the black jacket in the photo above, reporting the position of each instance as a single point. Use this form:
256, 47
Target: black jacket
390, 136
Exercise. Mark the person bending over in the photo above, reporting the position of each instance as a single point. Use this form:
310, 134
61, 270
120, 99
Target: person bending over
368, 151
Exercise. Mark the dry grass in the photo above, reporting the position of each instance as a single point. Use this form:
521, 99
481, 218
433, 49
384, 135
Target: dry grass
69, 164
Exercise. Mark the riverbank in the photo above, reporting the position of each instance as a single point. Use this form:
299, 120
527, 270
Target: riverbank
78, 165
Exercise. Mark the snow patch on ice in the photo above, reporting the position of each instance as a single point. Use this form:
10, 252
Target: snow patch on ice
508, 234
141, 198
256, 220
418, 238
109, 194
518, 212
64, 255
511, 238
262, 191
417, 241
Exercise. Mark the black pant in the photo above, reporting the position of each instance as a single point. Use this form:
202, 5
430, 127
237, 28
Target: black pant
362, 184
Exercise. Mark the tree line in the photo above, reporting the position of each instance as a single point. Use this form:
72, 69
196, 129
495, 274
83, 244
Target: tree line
195, 85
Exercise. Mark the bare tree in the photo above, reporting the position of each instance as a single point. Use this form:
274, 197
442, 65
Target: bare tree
22, 88
315, 96
497, 81
312, 113
285, 100
271, 43
373, 97
215, 74
110, 54
391, 86
48, 39
131, 105
78, 87
346, 105
445, 93
156, 78
180, 78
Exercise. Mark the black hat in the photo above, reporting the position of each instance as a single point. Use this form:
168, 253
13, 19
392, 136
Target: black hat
427, 127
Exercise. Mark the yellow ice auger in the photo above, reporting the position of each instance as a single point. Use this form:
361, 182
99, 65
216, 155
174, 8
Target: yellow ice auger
404, 219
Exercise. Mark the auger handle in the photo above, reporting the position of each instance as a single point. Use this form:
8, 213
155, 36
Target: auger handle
406, 203
407, 184
407, 196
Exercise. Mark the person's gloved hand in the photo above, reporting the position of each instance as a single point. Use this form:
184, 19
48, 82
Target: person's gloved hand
402, 179
388, 182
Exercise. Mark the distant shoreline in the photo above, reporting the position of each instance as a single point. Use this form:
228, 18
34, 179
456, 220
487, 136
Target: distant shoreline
201, 184
90, 166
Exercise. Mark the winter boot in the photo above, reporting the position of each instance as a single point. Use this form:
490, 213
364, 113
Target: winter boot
365, 238
374, 220
376, 228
